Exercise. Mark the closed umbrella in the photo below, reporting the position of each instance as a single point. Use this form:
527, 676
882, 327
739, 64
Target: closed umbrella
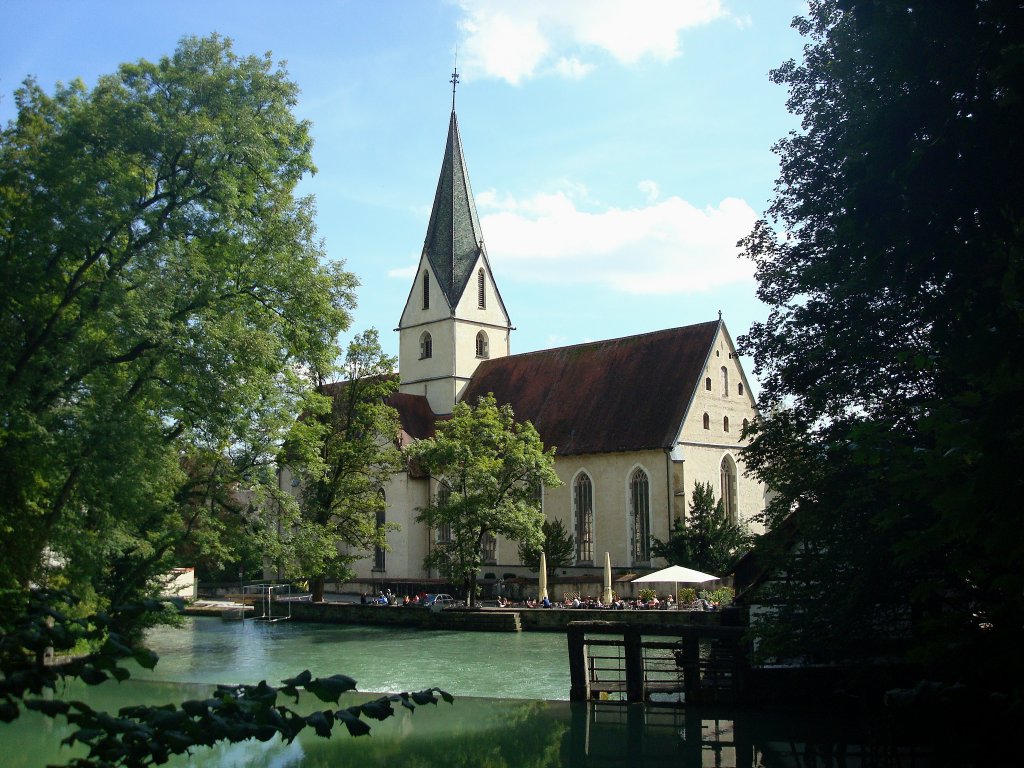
606, 598
542, 586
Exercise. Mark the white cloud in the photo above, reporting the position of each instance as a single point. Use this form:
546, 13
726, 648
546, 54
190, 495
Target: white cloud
668, 247
650, 189
572, 68
517, 39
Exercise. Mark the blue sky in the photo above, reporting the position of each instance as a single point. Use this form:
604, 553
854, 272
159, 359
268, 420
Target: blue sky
617, 150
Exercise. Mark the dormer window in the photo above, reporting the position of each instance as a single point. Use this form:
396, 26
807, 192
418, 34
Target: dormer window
481, 344
426, 346
426, 291
481, 296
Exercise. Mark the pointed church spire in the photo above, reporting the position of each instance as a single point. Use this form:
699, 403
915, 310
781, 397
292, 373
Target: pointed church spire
454, 238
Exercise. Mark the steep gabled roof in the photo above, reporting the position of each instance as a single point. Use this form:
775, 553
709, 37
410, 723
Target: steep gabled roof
454, 237
617, 395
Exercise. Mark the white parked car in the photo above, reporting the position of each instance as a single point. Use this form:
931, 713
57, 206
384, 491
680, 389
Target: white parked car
439, 602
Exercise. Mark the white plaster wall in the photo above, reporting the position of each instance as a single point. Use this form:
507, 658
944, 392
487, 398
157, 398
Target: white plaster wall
702, 450
404, 495
610, 474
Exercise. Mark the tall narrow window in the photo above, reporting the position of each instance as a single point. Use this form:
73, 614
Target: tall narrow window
426, 289
444, 531
379, 563
725, 380
489, 548
725, 423
583, 518
739, 388
707, 383
640, 514
481, 297
426, 346
707, 421
729, 489
481, 344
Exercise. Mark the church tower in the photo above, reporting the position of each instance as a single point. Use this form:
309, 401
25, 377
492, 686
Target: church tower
454, 316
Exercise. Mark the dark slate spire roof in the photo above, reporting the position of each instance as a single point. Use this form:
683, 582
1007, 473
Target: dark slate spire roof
617, 395
454, 238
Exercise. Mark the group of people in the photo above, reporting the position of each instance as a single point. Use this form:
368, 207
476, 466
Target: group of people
387, 597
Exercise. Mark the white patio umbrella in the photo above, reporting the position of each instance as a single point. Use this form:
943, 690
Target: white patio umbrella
676, 575
606, 598
542, 586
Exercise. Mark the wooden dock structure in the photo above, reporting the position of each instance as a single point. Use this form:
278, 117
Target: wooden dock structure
655, 663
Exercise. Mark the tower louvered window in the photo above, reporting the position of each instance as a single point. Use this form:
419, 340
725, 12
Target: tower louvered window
481, 296
426, 289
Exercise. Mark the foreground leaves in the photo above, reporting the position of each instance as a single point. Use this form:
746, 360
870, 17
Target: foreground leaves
150, 735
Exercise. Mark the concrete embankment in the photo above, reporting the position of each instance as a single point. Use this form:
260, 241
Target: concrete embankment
498, 619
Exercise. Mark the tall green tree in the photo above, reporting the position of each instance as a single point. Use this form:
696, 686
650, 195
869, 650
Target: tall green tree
892, 361
342, 456
558, 547
164, 306
161, 289
491, 464
708, 540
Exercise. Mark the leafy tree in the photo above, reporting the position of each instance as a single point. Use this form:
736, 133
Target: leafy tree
708, 541
491, 465
162, 287
892, 361
558, 546
164, 302
342, 455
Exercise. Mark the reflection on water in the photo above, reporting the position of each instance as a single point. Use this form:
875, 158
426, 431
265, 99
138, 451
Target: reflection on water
499, 732
506, 733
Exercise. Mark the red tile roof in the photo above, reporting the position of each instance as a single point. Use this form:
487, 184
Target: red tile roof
617, 395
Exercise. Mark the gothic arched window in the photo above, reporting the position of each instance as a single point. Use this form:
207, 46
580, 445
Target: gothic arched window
379, 563
640, 516
729, 502
481, 344
707, 421
444, 531
583, 518
426, 346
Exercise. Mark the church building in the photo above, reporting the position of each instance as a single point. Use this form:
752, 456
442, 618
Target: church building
635, 421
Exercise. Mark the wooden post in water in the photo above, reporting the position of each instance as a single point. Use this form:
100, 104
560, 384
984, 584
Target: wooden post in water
579, 683
633, 653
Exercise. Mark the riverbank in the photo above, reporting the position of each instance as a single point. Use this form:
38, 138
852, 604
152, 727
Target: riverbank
486, 619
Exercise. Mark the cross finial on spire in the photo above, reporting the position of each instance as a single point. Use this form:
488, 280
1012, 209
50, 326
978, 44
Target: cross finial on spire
454, 81
719, 314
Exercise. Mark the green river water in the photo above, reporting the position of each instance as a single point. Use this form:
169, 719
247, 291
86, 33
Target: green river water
510, 709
